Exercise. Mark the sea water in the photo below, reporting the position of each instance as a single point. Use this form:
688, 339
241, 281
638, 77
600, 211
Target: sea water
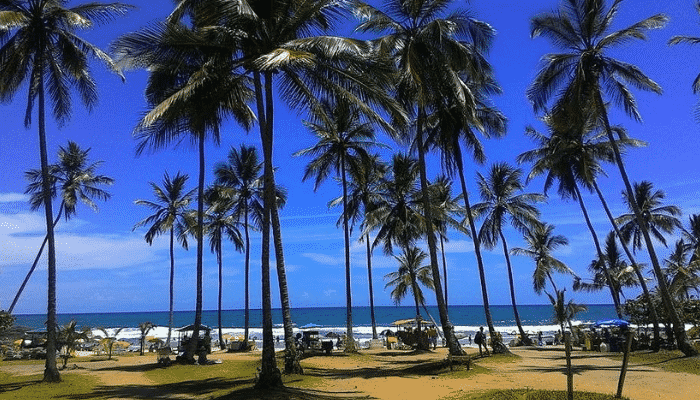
465, 319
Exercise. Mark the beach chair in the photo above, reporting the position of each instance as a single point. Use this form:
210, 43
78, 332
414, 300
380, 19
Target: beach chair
392, 342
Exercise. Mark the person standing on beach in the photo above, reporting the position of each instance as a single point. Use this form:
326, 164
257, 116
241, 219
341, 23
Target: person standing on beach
480, 338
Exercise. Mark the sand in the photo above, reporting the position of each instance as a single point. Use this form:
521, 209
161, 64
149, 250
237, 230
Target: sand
385, 374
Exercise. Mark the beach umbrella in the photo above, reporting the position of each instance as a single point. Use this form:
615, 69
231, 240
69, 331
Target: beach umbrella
387, 332
611, 322
311, 325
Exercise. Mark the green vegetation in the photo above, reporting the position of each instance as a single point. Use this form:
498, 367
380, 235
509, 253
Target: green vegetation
72, 385
670, 361
527, 394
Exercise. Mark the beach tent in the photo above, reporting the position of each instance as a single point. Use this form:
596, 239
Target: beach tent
611, 322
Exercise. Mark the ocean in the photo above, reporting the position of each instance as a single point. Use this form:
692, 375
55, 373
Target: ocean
466, 319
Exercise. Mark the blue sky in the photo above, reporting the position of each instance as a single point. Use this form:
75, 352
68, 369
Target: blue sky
104, 266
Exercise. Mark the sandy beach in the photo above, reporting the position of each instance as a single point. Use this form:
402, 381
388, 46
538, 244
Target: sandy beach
380, 374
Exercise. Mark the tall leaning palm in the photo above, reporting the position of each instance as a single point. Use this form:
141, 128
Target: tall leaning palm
242, 174
343, 144
573, 156
39, 46
431, 53
170, 206
190, 91
501, 202
584, 74
567, 157
77, 180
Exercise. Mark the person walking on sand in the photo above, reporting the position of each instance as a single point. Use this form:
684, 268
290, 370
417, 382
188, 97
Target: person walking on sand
480, 338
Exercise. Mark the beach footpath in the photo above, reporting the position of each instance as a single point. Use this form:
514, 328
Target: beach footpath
377, 374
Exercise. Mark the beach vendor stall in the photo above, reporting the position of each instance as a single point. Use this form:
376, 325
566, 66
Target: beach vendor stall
406, 332
184, 337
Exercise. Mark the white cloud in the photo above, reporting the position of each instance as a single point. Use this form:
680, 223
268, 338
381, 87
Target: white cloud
21, 236
329, 292
323, 258
13, 197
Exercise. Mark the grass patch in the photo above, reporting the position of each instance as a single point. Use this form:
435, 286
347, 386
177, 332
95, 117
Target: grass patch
670, 361
31, 387
529, 394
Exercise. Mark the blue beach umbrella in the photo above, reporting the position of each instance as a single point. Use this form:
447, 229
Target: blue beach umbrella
612, 322
311, 325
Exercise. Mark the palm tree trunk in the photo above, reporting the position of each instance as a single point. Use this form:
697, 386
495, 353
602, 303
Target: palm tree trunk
452, 343
678, 326
414, 289
194, 340
50, 371
291, 364
172, 284
269, 373
652, 308
350, 342
36, 260
601, 256
371, 291
246, 318
523, 336
475, 239
221, 288
444, 266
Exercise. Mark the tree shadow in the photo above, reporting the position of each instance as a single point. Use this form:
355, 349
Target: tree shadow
285, 393
8, 387
133, 368
579, 368
415, 368
164, 391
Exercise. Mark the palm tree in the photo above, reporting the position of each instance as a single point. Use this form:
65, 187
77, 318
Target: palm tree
170, 208
279, 41
692, 235
399, 216
572, 157
241, 173
430, 55
69, 337
500, 202
364, 196
145, 327
219, 222
656, 218
446, 213
620, 274
191, 90
108, 341
541, 242
583, 29
46, 52
678, 39
683, 271
77, 180
566, 157
407, 278
343, 143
